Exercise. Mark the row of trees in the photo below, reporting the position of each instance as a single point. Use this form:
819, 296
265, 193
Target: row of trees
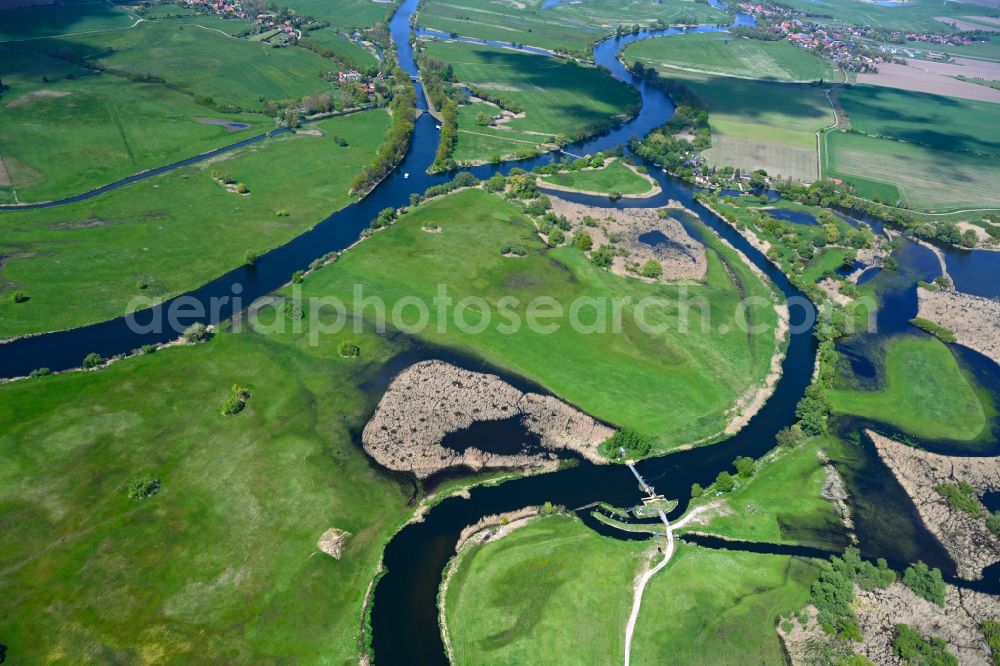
403, 106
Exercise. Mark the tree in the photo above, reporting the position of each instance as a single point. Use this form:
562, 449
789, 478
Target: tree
696, 490
790, 436
744, 466
92, 360
142, 487
249, 258
348, 349
196, 332
557, 237
925, 582
969, 238
495, 183
724, 482
483, 119
603, 257
522, 186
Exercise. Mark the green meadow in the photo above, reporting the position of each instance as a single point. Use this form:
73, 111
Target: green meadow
69, 17
345, 14
912, 15
630, 375
769, 124
760, 510
550, 592
558, 96
65, 130
721, 54
924, 393
719, 607
205, 63
221, 564
83, 262
330, 38
615, 177
572, 26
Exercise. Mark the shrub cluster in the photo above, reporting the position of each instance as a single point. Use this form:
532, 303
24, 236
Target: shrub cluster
236, 401
142, 487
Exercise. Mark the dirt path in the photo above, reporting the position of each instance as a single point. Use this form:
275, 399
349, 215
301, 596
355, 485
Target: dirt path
640, 586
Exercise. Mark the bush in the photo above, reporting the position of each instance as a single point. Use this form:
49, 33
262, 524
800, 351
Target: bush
557, 237
39, 372
993, 522
696, 490
583, 241
790, 437
991, 631
142, 487
197, 332
496, 183
241, 188
603, 257
925, 582
92, 360
515, 249
236, 401
20, 297
962, 497
914, 649
652, 269
297, 277
348, 349
250, 258
148, 349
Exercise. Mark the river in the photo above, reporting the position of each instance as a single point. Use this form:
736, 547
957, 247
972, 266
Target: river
404, 616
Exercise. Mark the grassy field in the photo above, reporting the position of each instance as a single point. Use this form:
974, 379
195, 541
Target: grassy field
345, 14
719, 607
914, 15
616, 177
925, 179
782, 503
70, 17
630, 376
220, 565
925, 393
720, 54
937, 122
558, 96
755, 123
83, 262
571, 26
81, 130
206, 63
344, 48
550, 592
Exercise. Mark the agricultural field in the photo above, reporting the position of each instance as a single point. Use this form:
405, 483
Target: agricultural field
551, 592
719, 607
558, 97
205, 63
720, 54
912, 15
924, 179
345, 14
756, 124
197, 571
615, 177
760, 510
924, 392
69, 17
79, 129
83, 262
568, 26
329, 38
630, 375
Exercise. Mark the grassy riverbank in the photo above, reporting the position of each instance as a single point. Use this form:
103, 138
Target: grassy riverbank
556, 96
83, 262
550, 592
221, 564
616, 177
925, 393
624, 377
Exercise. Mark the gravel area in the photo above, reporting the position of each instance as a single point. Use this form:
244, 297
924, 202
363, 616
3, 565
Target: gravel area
974, 320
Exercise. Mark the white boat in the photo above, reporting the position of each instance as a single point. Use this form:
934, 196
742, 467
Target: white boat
437, 127
664, 171
406, 175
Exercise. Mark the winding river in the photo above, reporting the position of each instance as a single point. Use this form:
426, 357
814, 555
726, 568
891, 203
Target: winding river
404, 616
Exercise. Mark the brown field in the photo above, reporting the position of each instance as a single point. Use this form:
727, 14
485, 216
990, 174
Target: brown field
939, 78
775, 158
967, 25
986, 19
